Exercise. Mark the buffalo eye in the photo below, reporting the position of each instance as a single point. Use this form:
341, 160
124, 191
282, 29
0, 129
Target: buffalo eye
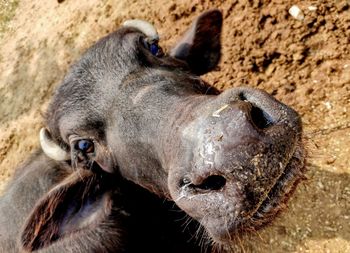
85, 146
153, 47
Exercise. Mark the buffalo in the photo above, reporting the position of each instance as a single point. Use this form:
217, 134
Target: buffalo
135, 141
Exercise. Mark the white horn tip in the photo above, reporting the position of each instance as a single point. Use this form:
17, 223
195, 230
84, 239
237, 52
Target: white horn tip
147, 28
50, 148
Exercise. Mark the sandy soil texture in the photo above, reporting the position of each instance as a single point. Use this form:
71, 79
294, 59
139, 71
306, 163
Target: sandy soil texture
305, 63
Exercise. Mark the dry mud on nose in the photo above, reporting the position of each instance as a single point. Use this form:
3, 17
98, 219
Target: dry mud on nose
305, 63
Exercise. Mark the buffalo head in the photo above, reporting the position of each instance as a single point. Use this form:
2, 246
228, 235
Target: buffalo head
229, 159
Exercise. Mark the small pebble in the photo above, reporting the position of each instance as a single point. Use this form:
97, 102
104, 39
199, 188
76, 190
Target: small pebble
328, 105
296, 12
331, 160
312, 8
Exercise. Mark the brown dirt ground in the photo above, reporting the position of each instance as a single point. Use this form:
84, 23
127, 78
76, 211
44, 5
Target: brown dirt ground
306, 64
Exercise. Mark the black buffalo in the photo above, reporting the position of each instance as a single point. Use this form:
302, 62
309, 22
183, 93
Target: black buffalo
128, 115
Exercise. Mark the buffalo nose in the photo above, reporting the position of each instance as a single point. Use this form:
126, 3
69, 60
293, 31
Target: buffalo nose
245, 135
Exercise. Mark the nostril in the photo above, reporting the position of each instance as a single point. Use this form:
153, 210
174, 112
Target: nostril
211, 183
260, 118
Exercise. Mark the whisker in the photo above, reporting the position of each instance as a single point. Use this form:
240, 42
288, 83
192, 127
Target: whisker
326, 131
241, 244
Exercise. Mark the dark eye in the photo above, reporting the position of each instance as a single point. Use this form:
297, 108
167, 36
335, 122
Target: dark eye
86, 146
153, 47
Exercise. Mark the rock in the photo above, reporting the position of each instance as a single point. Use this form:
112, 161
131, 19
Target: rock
296, 12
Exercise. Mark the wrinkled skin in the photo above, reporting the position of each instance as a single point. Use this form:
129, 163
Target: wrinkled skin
228, 160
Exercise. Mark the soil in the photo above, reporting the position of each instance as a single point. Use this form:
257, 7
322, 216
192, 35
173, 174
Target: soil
304, 63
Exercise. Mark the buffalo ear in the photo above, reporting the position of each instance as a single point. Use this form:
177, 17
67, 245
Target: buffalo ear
200, 47
62, 210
